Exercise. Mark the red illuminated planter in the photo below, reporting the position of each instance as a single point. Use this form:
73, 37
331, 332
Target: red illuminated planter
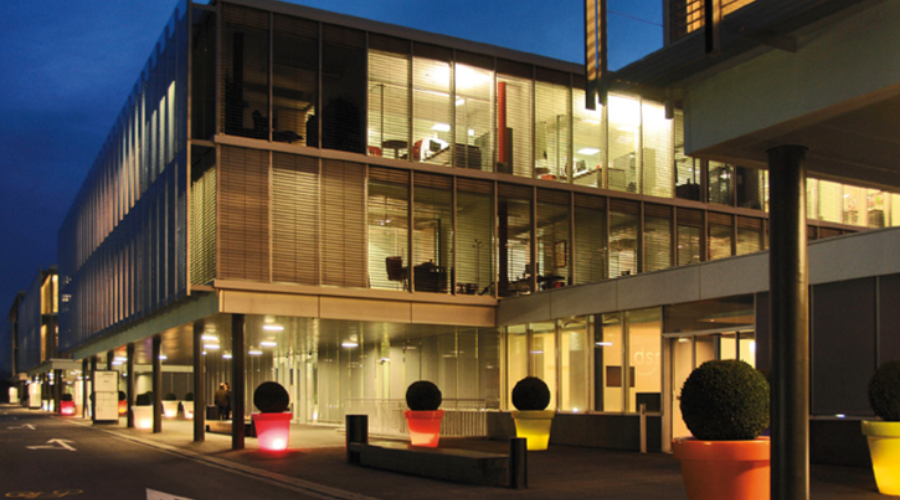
67, 407
272, 430
424, 427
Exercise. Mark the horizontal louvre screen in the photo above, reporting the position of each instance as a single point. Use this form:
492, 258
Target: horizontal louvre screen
295, 219
474, 186
721, 219
434, 181
244, 217
651, 210
513, 191
553, 196
343, 224
688, 217
389, 175
589, 201
203, 228
624, 207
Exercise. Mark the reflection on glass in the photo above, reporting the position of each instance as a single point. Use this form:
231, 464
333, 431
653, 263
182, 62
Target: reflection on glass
624, 124
574, 335
657, 151
516, 358
589, 141
543, 356
644, 337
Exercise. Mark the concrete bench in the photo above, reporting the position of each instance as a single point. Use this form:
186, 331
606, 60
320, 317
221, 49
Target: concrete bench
465, 466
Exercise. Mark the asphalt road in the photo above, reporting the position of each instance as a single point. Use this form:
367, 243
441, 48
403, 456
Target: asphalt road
44, 457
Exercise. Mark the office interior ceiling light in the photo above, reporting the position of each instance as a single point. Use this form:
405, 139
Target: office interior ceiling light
211, 347
349, 344
209, 337
441, 127
268, 343
588, 151
273, 327
254, 352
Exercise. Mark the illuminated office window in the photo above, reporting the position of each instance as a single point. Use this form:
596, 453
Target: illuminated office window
589, 140
474, 104
552, 127
389, 91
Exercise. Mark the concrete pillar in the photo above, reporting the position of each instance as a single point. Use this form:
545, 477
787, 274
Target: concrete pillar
237, 381
157, 383
199, 385
93, 385
789, 295
84, 387
129, 384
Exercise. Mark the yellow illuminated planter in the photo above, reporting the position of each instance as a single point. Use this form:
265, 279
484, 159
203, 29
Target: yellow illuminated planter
534, 426
884, 448
143, 416
272, 430
424, 427
123, 407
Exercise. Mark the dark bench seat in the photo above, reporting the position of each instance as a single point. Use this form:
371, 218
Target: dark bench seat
450, 464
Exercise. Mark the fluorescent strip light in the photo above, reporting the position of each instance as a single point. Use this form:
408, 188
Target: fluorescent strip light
441, 127
254, 352
588, 151
349, 345
273, 328
268, 343
163, 357
209, 337
226, 356
211, 347
604, 344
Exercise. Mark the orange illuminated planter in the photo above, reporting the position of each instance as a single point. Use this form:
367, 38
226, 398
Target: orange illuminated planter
123, 407
724, 470
67, 407
424, 427
272, 430
884, 448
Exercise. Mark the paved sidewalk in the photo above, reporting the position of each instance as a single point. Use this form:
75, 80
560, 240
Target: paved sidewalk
316, 462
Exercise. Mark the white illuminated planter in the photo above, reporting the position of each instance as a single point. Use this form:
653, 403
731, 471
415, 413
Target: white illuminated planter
188, 407
143, 416
272, 430
170, 409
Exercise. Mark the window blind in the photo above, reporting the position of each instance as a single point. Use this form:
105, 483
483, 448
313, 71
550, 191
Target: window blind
590, 239
343, 224
244, 214
475, 236
388, 228
657, 237
295, 219
245, 67
389, 97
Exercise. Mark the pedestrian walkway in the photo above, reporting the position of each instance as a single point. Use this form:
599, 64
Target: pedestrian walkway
315, 461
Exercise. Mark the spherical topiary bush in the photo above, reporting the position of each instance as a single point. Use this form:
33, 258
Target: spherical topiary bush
170, 397
423, 396
189, 396
66, 397
271, 397
725, 400
122, 396
145, 399
884, 391
531, 394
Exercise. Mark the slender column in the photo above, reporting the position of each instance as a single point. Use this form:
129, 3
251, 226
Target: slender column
93, 387
57, 390
84, 388
237, 381
789, 296
199, 386
110, 357
157, 384
129, 383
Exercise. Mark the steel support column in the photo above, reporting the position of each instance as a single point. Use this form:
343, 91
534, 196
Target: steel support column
157, 383
93, 385
789, 296
84, 387
129, 383
237, 381
199, 386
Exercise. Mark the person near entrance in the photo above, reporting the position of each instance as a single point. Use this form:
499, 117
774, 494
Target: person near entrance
223, 401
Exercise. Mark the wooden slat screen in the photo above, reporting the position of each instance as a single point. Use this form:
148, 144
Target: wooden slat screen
343, 224
657, 243
295, 219
203, 228
244, 214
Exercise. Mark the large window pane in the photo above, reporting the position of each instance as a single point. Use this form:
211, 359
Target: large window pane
657, 237
589, 140
295, 54
343, 89
830, 201
624, 124
514, 246
687, 169
433, 110
749, 184
589, 254
389, 114
433, 233
623, 232
553, 239
720, 182
245, 66
552, 129
644, 338
609, 376
543, 356
719, 241
854, 209
514, 123
475, 237
474, 117
388, 208
657, 151
574, 335
516, 358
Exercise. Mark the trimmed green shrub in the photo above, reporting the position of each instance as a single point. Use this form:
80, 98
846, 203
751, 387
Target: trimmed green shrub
725, 400
423, 396
145, 399
884, 391
271, 397
189, 396
122, 396
170, 397
531, 394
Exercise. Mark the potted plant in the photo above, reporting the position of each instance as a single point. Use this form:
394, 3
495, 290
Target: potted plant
123, 404
66, 404
273, 423
423, 417
143, 410
188, 405
531, 396
170, 405
884, 435
725, 405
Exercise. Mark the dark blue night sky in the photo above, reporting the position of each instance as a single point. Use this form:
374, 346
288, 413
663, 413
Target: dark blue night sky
66, 68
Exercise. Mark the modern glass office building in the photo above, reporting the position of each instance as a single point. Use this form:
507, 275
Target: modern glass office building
346, 207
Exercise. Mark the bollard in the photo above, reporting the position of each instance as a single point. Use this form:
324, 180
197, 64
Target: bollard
357, 431
643, 410
518, 463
